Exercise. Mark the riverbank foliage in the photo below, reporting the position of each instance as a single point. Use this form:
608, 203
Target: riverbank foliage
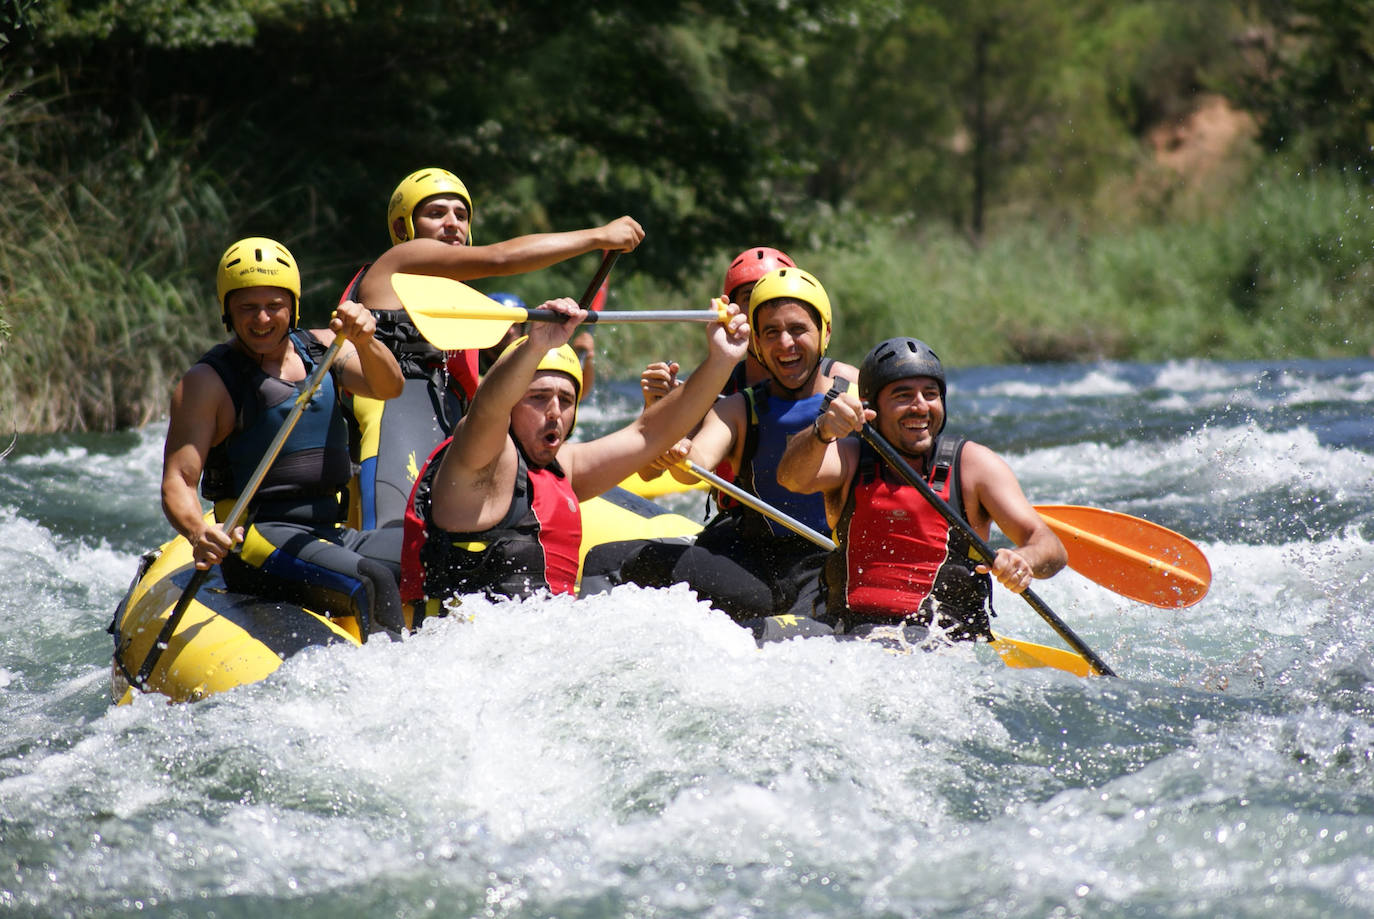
1285, 271
1013, 180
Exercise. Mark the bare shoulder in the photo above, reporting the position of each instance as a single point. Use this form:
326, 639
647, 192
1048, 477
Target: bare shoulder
841, 370
992, 491
731, 415
375, 288
979, 463
732, 410
201, 388
202, 410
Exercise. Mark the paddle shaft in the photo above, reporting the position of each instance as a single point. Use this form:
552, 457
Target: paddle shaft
239, 512
542, 315
589, 294
753, 501
980, 546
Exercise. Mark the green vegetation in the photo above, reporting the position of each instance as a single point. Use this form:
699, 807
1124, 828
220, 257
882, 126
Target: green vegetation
1285, 272
989, 175
102, 282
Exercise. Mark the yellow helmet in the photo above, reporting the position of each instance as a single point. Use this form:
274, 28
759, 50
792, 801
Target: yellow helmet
416, 187
562, 359
257, 262
790, 284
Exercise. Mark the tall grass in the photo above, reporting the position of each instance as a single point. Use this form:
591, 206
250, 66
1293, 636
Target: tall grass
94, 287
1286, 271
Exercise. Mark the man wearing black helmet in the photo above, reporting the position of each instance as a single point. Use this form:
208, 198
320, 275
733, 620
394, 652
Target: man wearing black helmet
897, 561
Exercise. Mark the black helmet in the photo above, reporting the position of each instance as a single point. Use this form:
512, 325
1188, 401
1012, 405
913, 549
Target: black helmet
897, 359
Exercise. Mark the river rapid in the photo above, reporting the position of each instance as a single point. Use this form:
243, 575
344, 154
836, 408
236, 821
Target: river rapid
636, 755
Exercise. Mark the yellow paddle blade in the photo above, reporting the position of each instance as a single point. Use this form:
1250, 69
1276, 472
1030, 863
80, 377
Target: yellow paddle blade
1136, 558
452, 316
1026, 655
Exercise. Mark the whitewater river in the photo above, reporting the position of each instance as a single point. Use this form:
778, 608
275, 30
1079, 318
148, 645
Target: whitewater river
635, 755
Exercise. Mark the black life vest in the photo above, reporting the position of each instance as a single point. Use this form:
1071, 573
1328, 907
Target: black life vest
535, 547
314, 463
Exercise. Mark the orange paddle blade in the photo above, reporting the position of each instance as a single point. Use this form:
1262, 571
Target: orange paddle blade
1136, 558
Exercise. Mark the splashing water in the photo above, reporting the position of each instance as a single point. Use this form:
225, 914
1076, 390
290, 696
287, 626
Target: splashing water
635, 754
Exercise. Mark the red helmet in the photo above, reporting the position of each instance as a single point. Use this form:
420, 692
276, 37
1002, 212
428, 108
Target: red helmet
752, 264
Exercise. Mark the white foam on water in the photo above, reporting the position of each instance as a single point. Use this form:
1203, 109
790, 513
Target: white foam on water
1195, 376
637, 754
47, 583
1102, 381
1305, 390
631, 728
1224, 463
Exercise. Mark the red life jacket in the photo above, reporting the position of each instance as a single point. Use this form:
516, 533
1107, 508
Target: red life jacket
897, 558
536, 546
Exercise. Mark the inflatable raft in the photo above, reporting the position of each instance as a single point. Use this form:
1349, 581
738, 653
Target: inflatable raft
227, 639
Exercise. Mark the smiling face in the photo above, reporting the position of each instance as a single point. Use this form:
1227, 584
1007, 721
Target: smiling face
442, 217
787, 342
543, 417
910, 414
260, 317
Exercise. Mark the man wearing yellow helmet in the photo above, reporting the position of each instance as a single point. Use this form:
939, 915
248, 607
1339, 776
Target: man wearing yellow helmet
741, 277
429, 217
497, 508
226, 411
742, 562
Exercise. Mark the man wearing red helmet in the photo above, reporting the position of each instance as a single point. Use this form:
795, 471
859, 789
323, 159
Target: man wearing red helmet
920, 573
744, 272
742, 562
429, 217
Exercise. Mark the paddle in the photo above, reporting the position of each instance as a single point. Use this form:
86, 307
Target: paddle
240, 510
452, 316
594, 288
749, 499
980, 547
1133, 557
1014, 652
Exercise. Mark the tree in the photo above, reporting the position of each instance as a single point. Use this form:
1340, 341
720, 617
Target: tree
1312, 79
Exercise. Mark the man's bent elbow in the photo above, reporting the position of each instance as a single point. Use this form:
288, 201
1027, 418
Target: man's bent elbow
1056, 558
